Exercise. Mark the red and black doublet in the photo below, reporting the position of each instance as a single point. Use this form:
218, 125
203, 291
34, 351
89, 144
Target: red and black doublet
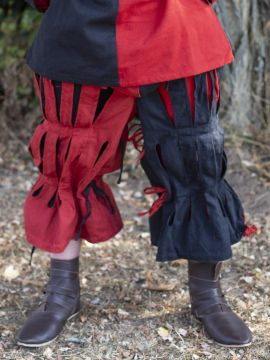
97, 64
127, 42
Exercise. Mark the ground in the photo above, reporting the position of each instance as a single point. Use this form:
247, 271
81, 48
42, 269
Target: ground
133, 307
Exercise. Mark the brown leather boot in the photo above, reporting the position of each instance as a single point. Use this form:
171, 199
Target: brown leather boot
61, 302
209, 306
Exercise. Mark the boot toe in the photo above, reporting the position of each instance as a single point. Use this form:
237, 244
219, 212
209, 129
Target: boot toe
39, 330
228, 329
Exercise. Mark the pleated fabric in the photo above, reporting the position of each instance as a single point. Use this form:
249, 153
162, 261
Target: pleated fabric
79, 139
83, 135
200, 215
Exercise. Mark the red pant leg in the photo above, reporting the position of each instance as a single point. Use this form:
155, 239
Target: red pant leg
73, 147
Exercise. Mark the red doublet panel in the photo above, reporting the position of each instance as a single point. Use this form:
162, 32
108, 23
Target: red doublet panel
160, 40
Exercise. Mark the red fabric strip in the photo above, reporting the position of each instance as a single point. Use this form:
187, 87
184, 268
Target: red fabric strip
34, 144
165, 96
117, 110
66, 104
190, 83
209, 88
217, 85
50, 101
49, 157
87, 105
36, 84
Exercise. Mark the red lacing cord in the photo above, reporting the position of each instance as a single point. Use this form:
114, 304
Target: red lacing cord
137, 139
157, 203
250, 229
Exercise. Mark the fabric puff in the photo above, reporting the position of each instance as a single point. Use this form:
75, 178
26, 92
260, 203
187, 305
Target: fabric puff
199, 226
201, 216
74, 145
83, 135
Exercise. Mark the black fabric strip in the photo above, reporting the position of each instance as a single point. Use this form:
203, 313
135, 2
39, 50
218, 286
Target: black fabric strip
104, 96
202, 110
180, 102
31, 255
76, 99
42, 94
89, 211
57, 86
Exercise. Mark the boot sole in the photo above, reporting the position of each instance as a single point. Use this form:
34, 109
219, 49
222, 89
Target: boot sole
216, 342
231, 346
47, 342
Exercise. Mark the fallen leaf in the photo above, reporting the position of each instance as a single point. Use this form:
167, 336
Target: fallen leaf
164, 333
182, 332
154, 284
11, 272
122, 313
48, 353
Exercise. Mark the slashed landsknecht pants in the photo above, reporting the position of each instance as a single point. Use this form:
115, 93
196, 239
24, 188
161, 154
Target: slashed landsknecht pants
83, 135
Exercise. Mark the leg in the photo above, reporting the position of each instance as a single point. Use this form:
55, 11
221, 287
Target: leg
61, 302
208, 305
71, 251
81, 138
184, 156
197, 216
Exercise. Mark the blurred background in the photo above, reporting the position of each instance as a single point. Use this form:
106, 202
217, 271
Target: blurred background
129, 297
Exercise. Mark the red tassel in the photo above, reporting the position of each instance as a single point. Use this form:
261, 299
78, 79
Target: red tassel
250, 230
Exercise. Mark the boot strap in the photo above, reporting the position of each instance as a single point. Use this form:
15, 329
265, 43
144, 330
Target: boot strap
65, 303
62, 273
207, 293
202, 307
199, 281
54, 298
207, 299
60, 291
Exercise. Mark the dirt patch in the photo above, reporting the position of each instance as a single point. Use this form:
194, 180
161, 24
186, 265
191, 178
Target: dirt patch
123, 316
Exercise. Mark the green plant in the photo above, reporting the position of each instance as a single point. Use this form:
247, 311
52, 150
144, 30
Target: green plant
18, 23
